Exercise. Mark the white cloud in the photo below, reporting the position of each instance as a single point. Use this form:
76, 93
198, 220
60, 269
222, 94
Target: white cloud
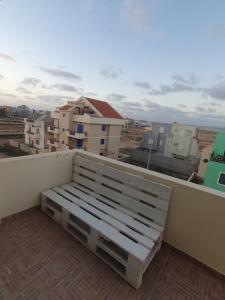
6, 57
110, 73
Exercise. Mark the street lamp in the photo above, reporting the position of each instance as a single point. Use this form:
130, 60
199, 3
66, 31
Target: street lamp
150, 143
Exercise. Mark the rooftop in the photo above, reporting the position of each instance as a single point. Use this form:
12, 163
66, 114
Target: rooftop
66, 107
105, 109
40, 260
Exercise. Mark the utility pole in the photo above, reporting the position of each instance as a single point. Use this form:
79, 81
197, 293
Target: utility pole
150, 142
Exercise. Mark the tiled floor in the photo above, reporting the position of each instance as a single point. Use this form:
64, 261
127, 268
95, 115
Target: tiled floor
39, 260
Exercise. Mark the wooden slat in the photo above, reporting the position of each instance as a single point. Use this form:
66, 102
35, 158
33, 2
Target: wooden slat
144, 230
124, 212
138, 182
107, 218
158, 216
126, 190
106, 230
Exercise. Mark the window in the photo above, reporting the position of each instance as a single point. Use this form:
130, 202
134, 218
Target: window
102, 141
103, 127
64, 115
63, 129
221, 178
161, 143
38, 131
79, 143
101, 153
62, 142
80, 128
37, 142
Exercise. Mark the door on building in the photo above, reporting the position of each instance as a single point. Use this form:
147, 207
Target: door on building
79, 143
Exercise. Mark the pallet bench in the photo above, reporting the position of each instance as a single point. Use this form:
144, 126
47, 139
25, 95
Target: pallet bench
117, 215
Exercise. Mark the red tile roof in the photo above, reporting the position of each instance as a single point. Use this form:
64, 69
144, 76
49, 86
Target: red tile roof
65, 107
105, 109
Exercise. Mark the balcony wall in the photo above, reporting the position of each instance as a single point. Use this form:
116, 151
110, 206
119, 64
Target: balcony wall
23, 178
195, 222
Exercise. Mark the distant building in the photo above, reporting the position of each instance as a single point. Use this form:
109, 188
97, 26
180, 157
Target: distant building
182, 142
205, 137
5, 111
22, 111
171, 149
88, 124
155, 139
141, 123
35, 130
215, 172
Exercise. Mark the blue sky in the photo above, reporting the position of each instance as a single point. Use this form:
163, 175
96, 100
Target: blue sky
155, 60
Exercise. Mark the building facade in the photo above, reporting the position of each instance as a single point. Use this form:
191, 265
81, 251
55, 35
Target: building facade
155, 138
205, 137
171, 149
182, 142
88, 124
35, 130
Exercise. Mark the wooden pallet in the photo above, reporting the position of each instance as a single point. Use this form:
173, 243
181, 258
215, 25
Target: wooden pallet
118, 216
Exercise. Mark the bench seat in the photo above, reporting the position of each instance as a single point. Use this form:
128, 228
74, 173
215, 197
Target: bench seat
107, 221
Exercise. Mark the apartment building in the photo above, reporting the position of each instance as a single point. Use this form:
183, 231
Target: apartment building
88, 124
182, 142
155, 139
35, 130
173, 150
205, 137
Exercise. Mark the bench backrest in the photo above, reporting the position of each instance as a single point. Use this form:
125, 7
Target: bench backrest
144, 197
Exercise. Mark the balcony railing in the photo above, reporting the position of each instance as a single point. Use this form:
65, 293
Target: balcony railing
53, 142
53, 130
195, 223
30, 132
76, 135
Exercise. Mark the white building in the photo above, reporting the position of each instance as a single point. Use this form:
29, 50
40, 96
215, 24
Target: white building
35, 130
182, 141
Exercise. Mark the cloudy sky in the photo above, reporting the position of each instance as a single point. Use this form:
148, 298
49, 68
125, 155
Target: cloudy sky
157, 60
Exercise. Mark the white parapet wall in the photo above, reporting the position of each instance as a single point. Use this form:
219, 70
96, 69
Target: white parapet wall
22, 179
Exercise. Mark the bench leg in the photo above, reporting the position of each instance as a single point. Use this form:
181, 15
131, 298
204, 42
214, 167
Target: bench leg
93, 239
64, 218
134, 272
49, 210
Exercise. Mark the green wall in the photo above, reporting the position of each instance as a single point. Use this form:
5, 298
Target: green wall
212, 173
219, 143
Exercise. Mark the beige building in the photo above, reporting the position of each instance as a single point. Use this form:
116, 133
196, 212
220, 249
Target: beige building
35, 130
205, 137
88, 124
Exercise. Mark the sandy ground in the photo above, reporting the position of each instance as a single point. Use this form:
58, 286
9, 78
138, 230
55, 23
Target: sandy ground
128, 144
